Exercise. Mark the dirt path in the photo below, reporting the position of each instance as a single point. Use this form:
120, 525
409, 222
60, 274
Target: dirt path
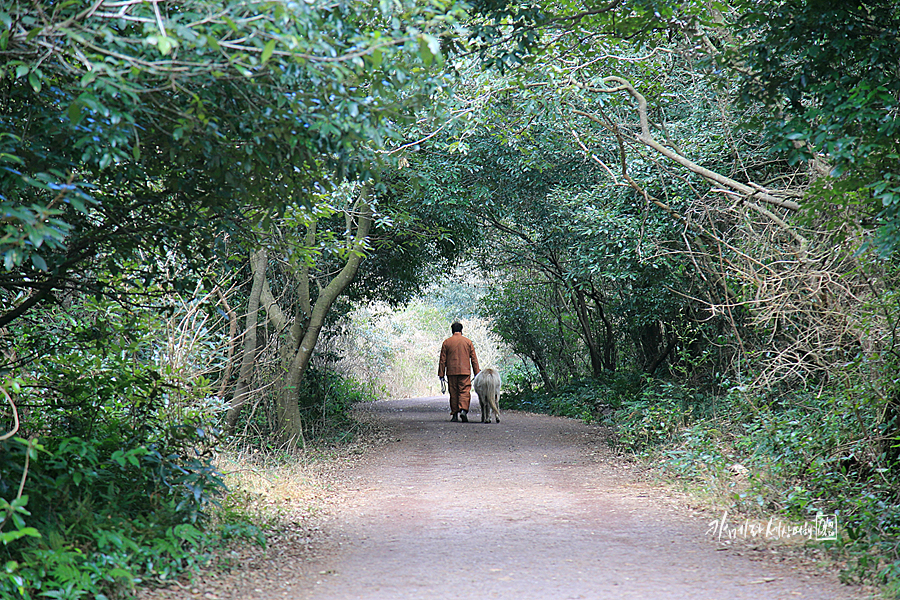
532, 508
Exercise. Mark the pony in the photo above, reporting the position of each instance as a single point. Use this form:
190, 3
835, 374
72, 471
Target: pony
487, 386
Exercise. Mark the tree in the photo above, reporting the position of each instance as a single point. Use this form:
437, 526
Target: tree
356, 245
530, 318
828, 75
131, 130
301, 330
538, 177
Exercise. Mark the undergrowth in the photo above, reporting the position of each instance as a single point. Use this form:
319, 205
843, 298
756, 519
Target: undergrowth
326, 399
112, 480
102, 516
99, 516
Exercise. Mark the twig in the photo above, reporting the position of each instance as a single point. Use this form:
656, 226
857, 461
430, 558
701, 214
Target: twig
25, 470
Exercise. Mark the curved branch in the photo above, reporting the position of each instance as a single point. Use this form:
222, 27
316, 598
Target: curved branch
745, 191
646, 138
15, 428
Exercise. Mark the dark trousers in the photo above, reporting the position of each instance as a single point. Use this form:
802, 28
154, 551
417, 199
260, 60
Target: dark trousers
460, 388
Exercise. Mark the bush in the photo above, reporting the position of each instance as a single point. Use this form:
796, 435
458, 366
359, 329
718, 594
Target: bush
102, 514
117, 482
588, 399
326, 399
658, 414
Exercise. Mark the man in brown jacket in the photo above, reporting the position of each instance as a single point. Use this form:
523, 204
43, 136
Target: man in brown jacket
456, 354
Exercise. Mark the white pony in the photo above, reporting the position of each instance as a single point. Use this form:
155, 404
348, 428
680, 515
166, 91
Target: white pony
487, 386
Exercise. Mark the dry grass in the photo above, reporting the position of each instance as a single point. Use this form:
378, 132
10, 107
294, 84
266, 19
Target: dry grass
286, 498
274, 484
270, 482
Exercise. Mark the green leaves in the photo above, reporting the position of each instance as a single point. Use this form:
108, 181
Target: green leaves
27, 229
35, 80
130, 456
831, 75
429, 49
119, 485
212, 108
15, 512
267, 51
164, 43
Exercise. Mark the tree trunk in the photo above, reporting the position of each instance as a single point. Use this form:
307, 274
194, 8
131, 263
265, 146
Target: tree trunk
289, 427
650, 369
609, 342
258, 262
544, 374
587, 333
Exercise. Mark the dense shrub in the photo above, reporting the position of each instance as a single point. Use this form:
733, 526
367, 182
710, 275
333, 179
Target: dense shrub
586, 399
111, 478
105, 512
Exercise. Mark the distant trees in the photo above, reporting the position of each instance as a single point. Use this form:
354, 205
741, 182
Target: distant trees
583, 228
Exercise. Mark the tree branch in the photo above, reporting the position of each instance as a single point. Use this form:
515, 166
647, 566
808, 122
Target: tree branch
645, 137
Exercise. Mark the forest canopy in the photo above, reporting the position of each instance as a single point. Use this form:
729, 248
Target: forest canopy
683, 217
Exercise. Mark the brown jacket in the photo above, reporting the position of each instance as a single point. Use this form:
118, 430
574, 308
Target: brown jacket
456, 352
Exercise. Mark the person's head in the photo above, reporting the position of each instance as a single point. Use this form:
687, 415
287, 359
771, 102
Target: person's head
456, 327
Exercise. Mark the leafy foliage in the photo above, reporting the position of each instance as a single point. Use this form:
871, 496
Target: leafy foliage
326, 400
591, 400
140, 133
121, 482
829, 74
798, 455
580, 262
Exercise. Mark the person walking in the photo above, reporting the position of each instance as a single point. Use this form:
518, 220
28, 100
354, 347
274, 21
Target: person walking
457, 352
